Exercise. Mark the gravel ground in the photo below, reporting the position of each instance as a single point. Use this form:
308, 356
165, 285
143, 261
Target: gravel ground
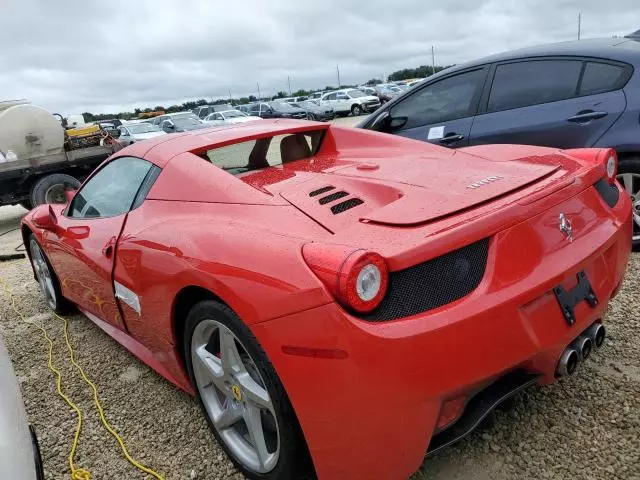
586, 426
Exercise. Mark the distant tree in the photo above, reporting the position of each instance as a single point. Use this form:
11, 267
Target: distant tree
158, 108
373, 81
88, 117
419, 72
174, 108
301, 93
252, 98
137, 111
243, 100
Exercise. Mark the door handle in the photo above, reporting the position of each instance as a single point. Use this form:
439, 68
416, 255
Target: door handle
451, 139
586, 116
107, 250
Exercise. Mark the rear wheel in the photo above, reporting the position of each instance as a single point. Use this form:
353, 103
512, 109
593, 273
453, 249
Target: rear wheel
629, 178
241, 395
356, 110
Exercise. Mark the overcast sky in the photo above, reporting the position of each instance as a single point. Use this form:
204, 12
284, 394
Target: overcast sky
76, 56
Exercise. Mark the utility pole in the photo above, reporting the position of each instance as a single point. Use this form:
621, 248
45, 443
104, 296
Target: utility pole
579, 21
433, 61
338, 71
289, 82
258, 90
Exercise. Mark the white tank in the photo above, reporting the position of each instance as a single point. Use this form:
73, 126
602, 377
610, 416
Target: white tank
29, 132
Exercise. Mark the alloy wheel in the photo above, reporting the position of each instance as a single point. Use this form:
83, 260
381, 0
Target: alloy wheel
43, 274
235, 397
631, 184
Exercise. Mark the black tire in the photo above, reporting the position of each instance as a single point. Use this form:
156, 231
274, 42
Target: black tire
42, 186
26, 204
61, 305
632, 165
356, 110
294, 459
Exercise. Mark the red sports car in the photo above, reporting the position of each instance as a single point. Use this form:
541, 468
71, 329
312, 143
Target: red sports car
341, 302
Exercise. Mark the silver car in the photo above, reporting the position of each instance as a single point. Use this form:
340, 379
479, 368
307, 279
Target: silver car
19, 451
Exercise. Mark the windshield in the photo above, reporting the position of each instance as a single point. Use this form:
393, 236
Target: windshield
244, 157
356, 93
176, 116
186, 121
233, 114
282, 107
142, 128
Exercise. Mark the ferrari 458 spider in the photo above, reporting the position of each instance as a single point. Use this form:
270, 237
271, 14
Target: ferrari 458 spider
341, 302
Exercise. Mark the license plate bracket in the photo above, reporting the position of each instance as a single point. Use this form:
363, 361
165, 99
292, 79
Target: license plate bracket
568, 299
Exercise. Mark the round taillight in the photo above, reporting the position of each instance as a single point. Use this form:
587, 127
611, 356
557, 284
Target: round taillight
363, 280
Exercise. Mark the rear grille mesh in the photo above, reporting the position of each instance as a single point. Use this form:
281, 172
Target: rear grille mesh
334, 196
320, 190
346, 205
433, 283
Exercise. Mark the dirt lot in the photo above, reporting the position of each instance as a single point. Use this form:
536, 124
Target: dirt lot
586, 426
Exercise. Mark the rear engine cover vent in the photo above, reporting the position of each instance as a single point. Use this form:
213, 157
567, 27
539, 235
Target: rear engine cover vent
320, 190
332, 197
346, 205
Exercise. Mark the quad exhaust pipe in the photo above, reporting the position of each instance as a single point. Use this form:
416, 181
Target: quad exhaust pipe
583, 346
568, 362
597, 333
580, 349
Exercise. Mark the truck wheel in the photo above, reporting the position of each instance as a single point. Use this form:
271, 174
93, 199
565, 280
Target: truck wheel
51, 189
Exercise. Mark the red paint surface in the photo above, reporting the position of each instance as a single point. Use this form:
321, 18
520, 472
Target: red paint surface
369, 411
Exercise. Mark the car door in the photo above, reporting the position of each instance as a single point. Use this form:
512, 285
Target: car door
330, 100
342, 102
553, 102
440, 112
124, 137
82, 249
266, 111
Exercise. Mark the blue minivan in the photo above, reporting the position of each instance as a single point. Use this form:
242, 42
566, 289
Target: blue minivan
566, 95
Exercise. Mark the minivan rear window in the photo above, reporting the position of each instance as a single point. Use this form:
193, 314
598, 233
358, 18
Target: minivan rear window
601, 77
521, 84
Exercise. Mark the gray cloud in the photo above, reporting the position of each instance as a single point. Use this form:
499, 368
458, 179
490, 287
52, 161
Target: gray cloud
77, 56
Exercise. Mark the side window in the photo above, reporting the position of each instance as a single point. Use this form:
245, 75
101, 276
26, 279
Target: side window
533, 82
217, 116
602, 77
111, 191
331, 96
449, 99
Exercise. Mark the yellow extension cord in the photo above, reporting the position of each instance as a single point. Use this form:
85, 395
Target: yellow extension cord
76, 473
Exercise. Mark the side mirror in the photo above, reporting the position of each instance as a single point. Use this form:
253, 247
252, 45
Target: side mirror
381, 122
397, 122
69, 194
46, 219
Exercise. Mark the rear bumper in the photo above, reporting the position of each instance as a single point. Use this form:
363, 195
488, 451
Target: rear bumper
373, 414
